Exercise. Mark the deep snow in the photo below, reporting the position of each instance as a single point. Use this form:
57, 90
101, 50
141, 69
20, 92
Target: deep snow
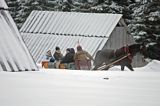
54, 87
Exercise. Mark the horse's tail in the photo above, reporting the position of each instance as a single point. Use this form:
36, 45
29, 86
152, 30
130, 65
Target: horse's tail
96, 58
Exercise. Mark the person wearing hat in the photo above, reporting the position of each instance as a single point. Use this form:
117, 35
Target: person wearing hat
58, 56
69, 57
46, 59
47, 56
82, 56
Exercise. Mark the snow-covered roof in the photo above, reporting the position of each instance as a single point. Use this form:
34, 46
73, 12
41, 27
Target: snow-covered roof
3, 4
38, 44
44, 30
71, 23
14, 55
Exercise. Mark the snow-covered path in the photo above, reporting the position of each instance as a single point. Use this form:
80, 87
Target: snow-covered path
81, 88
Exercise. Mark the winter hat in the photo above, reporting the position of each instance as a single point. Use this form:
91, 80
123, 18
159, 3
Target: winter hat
57, 48
79, 48
49, 51
68, 49
72, 50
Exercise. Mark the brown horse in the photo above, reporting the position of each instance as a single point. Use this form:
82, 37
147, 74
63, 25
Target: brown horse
124, 56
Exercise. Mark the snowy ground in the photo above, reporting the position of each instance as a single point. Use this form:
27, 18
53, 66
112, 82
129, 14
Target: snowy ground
82, 88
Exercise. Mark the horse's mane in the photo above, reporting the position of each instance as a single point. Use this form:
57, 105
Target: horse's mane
134, 48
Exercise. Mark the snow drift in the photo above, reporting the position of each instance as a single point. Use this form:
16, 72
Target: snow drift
82, 88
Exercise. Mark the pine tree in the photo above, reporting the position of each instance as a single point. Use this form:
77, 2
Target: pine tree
146, 24
25, 8
13, 9
100, 1
113, 6
143, 17
152, 22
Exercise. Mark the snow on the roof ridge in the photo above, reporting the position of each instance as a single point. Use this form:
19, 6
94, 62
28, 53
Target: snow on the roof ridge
63, 34
10, 39
72, 23
74, 12
3, 4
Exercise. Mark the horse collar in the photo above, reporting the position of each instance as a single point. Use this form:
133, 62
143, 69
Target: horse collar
126, 49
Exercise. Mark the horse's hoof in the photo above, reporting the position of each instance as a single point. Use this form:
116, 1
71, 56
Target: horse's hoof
94, 69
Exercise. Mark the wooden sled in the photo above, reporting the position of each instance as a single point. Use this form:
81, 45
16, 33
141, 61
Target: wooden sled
48, 65
45, 64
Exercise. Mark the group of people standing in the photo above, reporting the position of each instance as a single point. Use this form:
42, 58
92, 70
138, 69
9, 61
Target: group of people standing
71, 57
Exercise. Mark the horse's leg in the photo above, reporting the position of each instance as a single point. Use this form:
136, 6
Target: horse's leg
97, 60
106, 68
122, 67
98, 65
130, 67
95, 67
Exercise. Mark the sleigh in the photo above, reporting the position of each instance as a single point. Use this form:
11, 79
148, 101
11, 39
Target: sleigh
48, 65
45, 64
77, 65
51, 65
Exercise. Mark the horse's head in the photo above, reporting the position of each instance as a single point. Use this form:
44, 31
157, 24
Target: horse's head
135, 48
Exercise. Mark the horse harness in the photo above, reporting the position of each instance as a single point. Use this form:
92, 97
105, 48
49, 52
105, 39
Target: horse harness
127, 51
127, 55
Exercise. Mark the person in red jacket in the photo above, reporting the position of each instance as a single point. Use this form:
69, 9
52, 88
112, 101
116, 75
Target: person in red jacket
82, 59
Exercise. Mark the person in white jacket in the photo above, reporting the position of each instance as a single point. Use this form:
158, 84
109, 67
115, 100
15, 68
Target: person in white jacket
47, 56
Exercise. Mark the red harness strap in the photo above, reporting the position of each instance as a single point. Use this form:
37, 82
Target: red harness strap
126, 50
